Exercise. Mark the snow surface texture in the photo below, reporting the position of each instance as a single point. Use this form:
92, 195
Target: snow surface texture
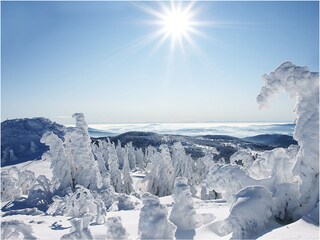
303, 85
183, 213
153, 222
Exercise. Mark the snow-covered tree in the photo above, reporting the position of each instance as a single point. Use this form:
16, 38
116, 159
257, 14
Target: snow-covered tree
161, 172
183, 165
120, 154
85, 168
115, 229
115, 175
15, 229
60, 162
41, 193
250, 212
203, 166
243, 158
303, 85
79, 229
130, 152
183, 213
153, 221
140, 159
127, 180
10, 188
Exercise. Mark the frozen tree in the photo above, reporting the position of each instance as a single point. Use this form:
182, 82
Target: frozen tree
127, 180
115, 175
41, 193
14, 229
139, 159
106, 192
160, 176
250, 212
115, 229
79, 229
84, 167
10, 189
166, 172
97, 150
203, 166
33, 147
130, 152
26, 181
60, 163
153, 222
101, 210
8, 156
80, 203
152, 178
125, 202
120, 154
303, 85
183, 165
243, 158
183, 213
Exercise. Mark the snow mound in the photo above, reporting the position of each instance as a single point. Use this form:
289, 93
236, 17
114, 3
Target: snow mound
250, 212
153, 222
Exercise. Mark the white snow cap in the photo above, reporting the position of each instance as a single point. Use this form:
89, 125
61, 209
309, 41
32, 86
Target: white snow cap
297, 81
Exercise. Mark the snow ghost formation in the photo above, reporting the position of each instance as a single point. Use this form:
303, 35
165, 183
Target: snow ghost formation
79, 229
153, 222
115, 229
250, 212
183, 213
303, 85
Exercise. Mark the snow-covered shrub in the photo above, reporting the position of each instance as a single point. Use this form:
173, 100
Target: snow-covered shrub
79, 229
60, 163
125, 202
16, 230
153, 221
228, 179
101, 210
10, 189
303, 85
183, 213
115, 229
40, 195
80, 202
243, 158
26, 181
250, 212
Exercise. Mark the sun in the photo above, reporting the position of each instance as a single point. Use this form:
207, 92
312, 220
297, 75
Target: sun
175, 22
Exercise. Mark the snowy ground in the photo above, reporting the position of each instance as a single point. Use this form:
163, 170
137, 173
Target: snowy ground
211, 212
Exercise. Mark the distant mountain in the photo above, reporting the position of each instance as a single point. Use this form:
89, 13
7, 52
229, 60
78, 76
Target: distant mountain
20, 139
275, 140
194, 145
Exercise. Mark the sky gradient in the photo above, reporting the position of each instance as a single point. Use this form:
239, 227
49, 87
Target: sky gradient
64, 57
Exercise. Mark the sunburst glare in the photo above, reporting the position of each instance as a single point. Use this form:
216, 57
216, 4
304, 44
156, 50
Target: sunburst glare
176, 22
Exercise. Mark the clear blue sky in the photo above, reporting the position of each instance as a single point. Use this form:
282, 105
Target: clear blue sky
64, 57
